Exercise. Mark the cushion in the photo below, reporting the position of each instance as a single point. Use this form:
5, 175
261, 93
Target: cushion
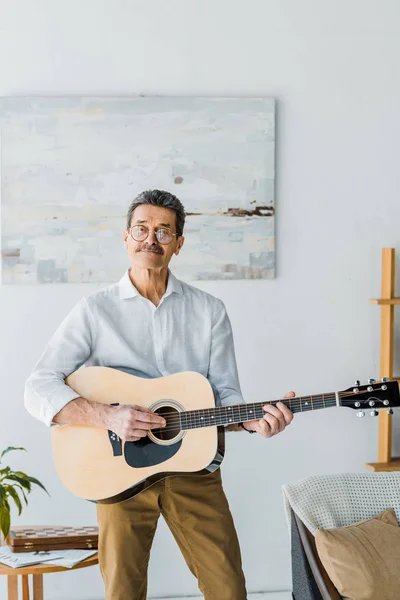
363, 560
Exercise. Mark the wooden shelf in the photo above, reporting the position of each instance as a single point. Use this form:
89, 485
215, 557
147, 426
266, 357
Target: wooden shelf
385, 301
393, 465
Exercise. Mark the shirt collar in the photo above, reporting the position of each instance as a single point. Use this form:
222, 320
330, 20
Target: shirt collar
128, 290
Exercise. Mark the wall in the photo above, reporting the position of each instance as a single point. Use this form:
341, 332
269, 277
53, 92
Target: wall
333, 68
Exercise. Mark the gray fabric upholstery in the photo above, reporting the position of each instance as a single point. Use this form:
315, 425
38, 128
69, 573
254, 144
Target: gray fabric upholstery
303, 582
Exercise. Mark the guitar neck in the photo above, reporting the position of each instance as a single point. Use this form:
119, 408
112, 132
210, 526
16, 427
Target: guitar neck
239, 413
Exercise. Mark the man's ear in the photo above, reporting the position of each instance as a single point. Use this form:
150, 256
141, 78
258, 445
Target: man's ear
179, 245
125, 238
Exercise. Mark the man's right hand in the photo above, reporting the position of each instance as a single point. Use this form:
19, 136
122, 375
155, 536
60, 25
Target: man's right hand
131, 423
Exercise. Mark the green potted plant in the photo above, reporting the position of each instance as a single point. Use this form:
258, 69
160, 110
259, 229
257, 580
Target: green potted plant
14, 485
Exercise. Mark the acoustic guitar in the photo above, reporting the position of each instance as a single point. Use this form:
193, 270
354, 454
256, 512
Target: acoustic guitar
97, 465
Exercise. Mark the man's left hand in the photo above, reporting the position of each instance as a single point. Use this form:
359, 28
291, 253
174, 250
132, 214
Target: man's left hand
275, 419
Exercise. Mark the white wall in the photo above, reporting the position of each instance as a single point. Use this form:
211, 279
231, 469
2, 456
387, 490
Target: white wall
333, 67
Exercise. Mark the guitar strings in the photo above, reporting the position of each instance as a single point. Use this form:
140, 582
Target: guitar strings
299, 401
292, 401
174, 421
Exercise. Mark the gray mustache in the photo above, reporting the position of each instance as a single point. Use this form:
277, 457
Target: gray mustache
153, 248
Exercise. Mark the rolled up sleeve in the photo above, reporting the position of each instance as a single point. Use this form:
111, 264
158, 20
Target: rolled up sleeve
46, 392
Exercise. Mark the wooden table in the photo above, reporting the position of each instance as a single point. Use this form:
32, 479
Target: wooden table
37, 572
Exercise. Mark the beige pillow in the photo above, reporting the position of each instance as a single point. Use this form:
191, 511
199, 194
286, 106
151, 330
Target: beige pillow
363, 560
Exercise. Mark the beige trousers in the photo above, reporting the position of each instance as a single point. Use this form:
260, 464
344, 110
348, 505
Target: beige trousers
197, 513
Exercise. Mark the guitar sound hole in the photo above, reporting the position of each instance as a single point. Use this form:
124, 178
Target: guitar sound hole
172, 428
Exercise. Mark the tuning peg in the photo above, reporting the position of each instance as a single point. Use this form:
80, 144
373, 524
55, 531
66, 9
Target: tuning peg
385, 379
374, 413
357, 382
360, 413
372, 381
390, 411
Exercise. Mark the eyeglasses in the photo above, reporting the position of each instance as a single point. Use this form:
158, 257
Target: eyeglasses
140, 233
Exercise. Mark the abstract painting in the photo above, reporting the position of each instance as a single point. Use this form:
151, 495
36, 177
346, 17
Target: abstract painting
71, 166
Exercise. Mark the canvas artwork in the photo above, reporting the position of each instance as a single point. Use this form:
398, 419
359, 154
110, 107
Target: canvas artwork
71, 166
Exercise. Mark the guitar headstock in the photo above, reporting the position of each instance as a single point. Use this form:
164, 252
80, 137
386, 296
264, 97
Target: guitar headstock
373, 396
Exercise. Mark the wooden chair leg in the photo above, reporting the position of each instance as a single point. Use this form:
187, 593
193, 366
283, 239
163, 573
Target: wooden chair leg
38, 587
25, 587
12, 581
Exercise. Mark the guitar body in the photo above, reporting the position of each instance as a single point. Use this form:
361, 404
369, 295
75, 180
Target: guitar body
97, 465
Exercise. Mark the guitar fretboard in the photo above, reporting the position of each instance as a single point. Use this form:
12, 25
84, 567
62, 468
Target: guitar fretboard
237, 413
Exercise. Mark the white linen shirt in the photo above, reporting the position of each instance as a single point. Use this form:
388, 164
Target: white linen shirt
117, 327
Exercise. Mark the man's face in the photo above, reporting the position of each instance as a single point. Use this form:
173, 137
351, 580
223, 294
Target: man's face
150, 253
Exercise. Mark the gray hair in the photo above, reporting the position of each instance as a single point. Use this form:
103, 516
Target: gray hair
159, 198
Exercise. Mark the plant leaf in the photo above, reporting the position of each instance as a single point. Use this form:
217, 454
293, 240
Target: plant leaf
14, 495
5, 518
31, 480
9, 450
4, 471
2, 494
21, 474
37, 482
22, 492
21, 480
